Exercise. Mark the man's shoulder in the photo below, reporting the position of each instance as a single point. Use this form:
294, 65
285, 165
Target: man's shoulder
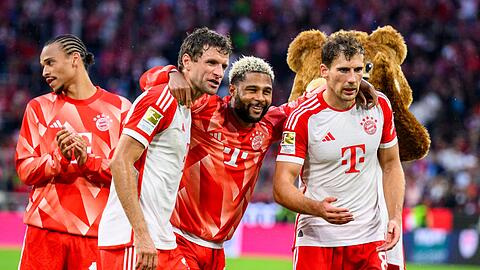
114, 98
309, 107
43, 101
208, 102
158, 96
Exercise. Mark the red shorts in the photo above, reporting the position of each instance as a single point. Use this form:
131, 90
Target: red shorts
44, 249
125, 259
200, 257
357, 257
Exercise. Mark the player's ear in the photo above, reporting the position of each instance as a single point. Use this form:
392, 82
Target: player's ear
323, 71
76, 59
232, 89
186, 61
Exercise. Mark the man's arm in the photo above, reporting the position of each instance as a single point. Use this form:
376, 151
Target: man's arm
34, 167
286, 194
127, 153
177, 84
394, 190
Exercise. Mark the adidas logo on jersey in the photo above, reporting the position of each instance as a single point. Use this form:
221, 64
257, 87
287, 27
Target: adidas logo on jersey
56, 124
216, 135
328, 137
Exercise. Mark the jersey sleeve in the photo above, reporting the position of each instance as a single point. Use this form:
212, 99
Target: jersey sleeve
157, 75
151, 113
389, 134
277, 115
96, 168
294, 143
34, 167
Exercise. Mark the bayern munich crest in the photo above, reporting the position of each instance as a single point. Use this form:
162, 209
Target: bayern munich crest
103, 122
369, 125
257, 140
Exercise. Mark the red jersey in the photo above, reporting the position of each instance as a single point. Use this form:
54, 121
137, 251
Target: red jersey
66, 197
221, 169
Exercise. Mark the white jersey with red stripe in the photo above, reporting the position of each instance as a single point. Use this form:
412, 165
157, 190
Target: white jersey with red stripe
338, 151
163, 127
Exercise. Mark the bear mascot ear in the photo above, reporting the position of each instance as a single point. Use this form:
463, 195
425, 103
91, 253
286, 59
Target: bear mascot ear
304, 58
389, 52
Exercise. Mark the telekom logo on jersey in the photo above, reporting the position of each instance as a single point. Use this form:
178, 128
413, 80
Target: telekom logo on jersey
352, 155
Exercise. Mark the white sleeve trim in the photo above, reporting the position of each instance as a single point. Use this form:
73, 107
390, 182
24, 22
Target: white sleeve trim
137, 136
389, 144
296, 160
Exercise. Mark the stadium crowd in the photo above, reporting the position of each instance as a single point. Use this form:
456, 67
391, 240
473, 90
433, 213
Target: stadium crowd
129, 36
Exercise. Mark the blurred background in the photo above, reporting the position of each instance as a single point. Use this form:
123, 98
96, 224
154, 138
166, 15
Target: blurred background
129, 36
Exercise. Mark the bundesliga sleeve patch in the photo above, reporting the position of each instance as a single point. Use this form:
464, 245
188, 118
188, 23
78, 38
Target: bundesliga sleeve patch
287, 146
150, 120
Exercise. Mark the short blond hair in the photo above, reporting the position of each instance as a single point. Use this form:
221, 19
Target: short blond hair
248, 64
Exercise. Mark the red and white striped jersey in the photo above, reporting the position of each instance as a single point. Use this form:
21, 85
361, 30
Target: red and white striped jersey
338, 151
66, 197
158, 122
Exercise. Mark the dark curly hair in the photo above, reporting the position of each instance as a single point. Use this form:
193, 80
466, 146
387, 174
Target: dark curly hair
201, 40
341, 43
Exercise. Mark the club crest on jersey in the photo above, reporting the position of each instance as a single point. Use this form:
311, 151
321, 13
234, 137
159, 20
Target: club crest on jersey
287, 146
103, 122
257, 140
369, 125
150, 120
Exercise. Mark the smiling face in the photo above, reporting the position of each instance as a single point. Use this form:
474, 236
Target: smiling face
343, 80
251, 97
206, 74
58, 67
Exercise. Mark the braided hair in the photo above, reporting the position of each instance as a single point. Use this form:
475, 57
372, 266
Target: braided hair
70, 44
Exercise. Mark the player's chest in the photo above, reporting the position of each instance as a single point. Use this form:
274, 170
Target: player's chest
341, 135
89, 123
223, 132
232, 149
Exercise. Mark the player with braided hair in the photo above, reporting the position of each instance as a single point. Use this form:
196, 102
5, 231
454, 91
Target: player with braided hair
62, 152
70, 44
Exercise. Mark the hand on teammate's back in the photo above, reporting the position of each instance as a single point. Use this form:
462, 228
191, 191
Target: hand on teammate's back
180, 88
333, 214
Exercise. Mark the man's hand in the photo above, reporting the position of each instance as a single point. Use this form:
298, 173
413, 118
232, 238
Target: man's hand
80, 150
65, 143
392, 237
180, 88
332, 214
367, 96
147, 257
